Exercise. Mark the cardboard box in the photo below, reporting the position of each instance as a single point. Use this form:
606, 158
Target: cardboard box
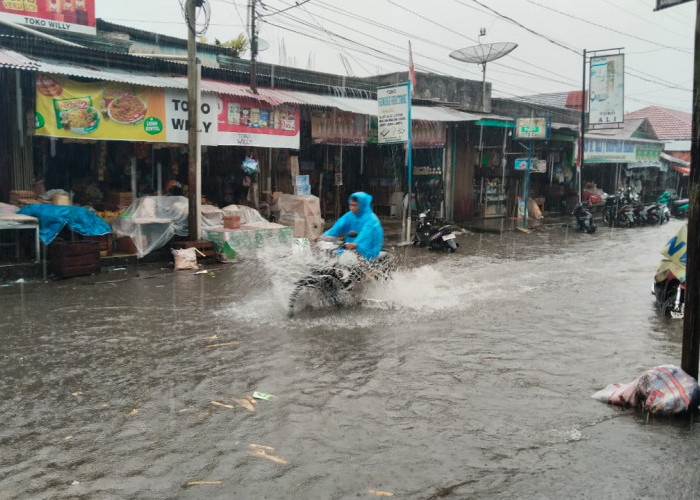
303, 190
301, 180
294, 166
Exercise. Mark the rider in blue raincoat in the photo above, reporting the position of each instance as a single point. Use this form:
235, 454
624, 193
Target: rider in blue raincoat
363, 221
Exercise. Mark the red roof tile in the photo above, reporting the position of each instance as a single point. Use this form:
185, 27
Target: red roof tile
668, 124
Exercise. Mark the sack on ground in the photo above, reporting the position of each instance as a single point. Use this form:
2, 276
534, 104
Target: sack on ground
185, 259
662, 390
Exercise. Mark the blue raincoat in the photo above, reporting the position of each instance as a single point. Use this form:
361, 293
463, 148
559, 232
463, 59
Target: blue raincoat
370, 235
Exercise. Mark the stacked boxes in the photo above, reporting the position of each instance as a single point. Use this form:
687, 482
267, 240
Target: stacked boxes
301, 185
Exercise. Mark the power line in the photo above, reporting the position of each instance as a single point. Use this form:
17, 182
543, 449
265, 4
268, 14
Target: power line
592, 23
280, 11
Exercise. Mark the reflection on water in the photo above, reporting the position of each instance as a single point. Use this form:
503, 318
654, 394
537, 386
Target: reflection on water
465, 375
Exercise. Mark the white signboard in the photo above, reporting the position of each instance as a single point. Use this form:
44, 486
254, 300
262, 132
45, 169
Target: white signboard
538, 166
607, 90
662, 4
531, 128
215, 128
393, 113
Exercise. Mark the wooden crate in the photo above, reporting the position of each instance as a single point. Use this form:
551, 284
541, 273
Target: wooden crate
75, 258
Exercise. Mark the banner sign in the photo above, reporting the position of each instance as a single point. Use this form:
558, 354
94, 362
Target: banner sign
607, 90
611, 151
99, 111
338, 127
663, 4
123, 112
532, 128
76, 16
538, 166
393, 113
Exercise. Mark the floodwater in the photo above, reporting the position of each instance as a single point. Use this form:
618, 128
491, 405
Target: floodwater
465, 376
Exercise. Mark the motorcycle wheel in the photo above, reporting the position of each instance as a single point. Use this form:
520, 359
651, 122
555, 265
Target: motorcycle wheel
667, 309
451, 246
314, 289
592, 229
606, 219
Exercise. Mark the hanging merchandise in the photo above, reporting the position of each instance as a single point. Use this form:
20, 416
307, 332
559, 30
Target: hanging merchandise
250, 165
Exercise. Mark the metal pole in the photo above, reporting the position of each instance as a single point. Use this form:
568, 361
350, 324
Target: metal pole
410, 164
527, 183
583, 129
691, 326
193, 124
454, 171
253, 49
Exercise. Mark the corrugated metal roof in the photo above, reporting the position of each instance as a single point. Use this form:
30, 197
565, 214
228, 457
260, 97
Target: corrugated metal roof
11, 59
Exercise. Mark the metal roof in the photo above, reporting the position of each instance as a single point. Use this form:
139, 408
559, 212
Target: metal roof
11, 59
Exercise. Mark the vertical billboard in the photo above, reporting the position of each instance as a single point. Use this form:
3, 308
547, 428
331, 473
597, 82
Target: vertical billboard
77, 16
393, 116
607, 90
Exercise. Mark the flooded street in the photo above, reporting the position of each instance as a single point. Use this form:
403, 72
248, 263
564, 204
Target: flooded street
464, 376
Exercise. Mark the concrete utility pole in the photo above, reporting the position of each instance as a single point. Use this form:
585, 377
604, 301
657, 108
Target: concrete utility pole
194, 158
691, 328
253, 49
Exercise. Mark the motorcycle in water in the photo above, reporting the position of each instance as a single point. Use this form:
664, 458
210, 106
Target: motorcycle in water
618, 210
657, 213
669, 281
434, 234
342, 275
584, 217
678, 208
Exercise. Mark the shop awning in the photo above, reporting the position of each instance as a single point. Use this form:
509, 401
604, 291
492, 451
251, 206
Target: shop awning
14, 60
679, 165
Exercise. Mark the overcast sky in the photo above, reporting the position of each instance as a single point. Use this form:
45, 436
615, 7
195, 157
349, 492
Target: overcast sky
658, 45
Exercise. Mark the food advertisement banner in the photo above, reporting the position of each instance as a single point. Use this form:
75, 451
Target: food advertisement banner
98, 111
123, 112
338, 127
76, 16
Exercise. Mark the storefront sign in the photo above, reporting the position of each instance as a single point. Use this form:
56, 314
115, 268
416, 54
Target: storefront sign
610, 151
338, 127
663, 4
538, 166
532, 128
122, 112
393, 119
607, 90
99, 111
63, 15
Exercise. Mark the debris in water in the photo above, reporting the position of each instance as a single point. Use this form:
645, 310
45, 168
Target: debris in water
132, 412
261, 451
222, 345
75, 483
212, 337
68, 438
217, 403
380, 493
246, 404
202, 483
201, 272
77, 393
262, 395
251, 399
105, 405
21, 280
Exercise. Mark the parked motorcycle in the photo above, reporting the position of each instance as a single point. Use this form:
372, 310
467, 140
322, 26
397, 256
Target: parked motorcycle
341, 274
678, 207
618, 210
434, 234
669, 281
657, 213
584, 218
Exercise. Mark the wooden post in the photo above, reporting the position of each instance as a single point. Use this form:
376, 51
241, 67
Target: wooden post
253, 49
192, 133
691, 328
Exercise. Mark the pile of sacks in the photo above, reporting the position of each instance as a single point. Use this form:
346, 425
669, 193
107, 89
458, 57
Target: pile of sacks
663, 390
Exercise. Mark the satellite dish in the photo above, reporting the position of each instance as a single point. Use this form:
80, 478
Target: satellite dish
482, 54
263, 45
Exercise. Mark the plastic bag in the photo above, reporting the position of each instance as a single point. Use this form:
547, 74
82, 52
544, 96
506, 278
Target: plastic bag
249, 165
662, 390
185, 259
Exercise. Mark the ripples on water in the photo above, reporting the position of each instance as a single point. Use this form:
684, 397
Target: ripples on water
465, 375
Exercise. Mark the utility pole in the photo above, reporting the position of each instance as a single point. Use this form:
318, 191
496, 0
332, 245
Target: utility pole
691, 327
194, 157
253, 48
583, 131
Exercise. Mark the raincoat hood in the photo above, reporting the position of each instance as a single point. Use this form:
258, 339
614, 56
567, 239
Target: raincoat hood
364, 200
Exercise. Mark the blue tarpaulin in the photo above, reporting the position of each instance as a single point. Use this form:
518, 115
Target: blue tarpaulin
53, 218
